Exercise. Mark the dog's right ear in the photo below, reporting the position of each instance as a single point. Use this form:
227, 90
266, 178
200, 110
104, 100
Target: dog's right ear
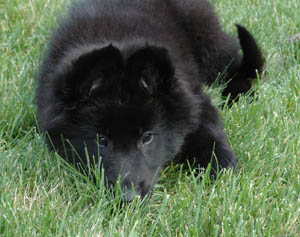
151, 70
90, 73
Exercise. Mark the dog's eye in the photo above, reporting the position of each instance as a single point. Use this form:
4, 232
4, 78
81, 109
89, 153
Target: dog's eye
147, 138
102, 141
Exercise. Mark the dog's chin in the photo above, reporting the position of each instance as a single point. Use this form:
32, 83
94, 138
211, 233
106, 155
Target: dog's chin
130, 195
141, 193
137, 193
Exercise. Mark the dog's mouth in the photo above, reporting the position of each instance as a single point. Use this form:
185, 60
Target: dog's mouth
129, 193
139, 191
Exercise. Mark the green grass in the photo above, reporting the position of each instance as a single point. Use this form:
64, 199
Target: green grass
41, 196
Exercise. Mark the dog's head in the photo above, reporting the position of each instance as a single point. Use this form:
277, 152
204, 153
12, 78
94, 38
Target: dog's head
124, 105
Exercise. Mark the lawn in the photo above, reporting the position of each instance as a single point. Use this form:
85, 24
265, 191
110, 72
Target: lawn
42, 196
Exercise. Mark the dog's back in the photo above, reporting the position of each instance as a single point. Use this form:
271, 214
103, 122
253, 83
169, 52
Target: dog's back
188, 29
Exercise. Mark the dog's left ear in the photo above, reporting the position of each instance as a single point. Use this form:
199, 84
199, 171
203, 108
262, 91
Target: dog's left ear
151, 70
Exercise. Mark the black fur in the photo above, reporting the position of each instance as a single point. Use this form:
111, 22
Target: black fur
122, 80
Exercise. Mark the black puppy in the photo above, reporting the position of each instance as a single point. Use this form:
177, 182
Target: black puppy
122, 80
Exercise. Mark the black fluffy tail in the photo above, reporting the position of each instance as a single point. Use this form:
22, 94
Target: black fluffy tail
251, 63
252, 59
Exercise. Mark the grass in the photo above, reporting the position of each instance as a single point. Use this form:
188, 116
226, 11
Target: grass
42, 196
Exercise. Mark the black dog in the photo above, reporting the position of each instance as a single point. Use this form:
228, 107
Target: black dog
122, 80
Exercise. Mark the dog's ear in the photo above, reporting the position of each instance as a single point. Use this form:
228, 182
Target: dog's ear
151, 70
90, 73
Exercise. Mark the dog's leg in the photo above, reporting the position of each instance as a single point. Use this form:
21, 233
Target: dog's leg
209, 142
217, 53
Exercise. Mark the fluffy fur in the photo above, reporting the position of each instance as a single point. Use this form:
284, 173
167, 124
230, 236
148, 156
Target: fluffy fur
122, 80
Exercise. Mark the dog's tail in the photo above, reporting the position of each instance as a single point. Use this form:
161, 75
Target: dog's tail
251, 63
252, 60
